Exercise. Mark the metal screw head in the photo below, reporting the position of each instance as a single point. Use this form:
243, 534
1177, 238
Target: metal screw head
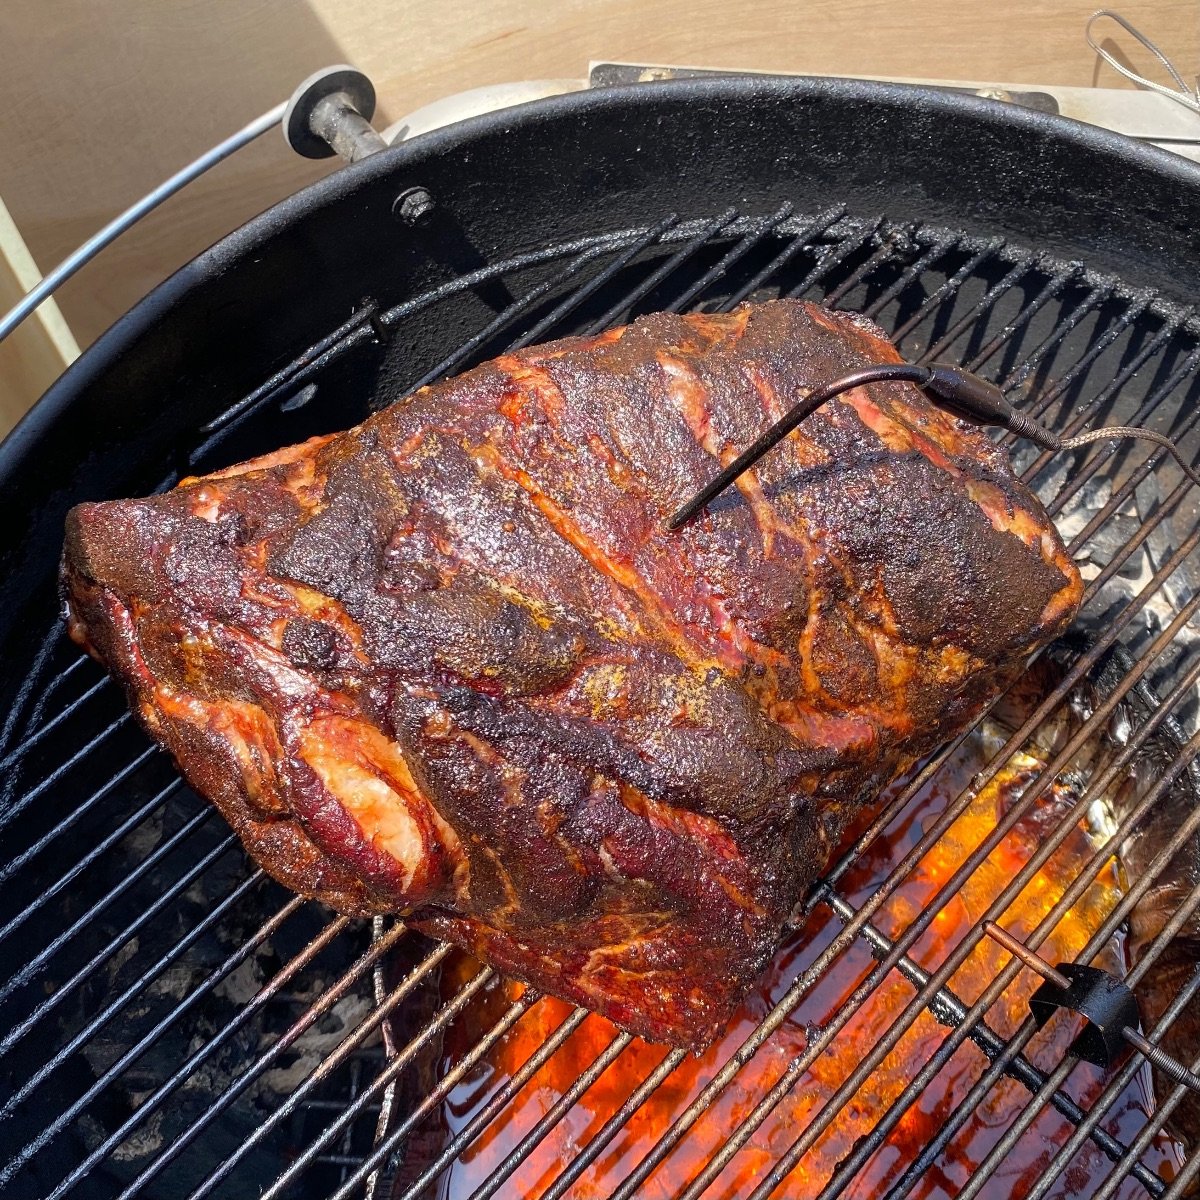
413, 206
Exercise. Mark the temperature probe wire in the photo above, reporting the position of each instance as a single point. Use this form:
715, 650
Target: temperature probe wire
38, 295
959, 392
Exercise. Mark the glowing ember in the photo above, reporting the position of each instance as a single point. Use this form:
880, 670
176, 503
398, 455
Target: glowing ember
805, 1100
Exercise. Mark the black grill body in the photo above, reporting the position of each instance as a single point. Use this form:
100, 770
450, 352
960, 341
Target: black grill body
1053, 258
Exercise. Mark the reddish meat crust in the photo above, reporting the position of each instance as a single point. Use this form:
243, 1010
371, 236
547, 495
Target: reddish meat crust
449, 663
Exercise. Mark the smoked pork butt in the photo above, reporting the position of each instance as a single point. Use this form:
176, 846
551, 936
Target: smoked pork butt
450, 664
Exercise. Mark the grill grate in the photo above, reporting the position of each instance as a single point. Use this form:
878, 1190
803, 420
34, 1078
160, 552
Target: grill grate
174, 1024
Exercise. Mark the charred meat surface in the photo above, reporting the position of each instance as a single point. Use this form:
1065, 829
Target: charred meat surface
450, 664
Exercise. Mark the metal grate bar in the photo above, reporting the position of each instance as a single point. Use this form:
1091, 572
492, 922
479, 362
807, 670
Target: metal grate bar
676, 260
949, 287
1022, 266
1115, 1086
867, 1146
504, 319
1013, 1133
881, 253
403, 1058
936, 249
63, 1118
553, 1116
1119, 914
1119, 327
1136, 542
152, 1102
30, 740
891, 244
956, 1119
21, 705
1183, 1181
835, 255
319, 354
511, 1086
609, 1130
734, 255
786, 1162
1099, 294
1088, 470
328, 998
996, 909
419, 974
1096, 787
14, 810
853, 929
1162, 1113
816, 228
35, 964
18, 861
593, 285
62, 991
1084, 412
1109, 926
515, 1012
1029, 310
921, 922
516, 263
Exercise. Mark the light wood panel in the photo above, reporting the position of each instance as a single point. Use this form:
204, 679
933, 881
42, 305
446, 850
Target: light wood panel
103, 101
38, 350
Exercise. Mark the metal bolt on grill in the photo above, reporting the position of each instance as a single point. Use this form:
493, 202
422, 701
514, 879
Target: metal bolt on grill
173, 1024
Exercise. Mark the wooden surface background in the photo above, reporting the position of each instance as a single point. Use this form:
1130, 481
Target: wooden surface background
104, 101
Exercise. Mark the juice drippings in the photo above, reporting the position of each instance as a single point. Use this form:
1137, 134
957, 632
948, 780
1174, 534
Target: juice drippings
804, 1101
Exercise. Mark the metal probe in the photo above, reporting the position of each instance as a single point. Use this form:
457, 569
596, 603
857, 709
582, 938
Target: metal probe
1109, 985
959, 392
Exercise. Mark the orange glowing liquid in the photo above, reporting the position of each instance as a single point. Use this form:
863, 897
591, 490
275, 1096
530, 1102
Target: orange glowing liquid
804, 1101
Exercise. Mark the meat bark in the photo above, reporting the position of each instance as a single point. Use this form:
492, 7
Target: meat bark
449, 663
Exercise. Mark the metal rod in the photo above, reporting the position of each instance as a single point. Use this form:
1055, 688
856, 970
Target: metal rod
802, 240
30, 740
734, 254
593, 285
1051, 288
1096, 787
444, 1085
63, 1117
1030, 958
1021, 266
134, 213
383, 1009
949, 287
837, 254
32, 968
118, 1002
938, 247
151, 1103
65, 825
855, 926
1161, 1059
897, 949
313, 1013
705, 233
14, 810
553, 1115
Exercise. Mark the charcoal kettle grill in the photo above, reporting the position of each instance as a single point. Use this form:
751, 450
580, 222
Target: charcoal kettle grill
173, 1023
